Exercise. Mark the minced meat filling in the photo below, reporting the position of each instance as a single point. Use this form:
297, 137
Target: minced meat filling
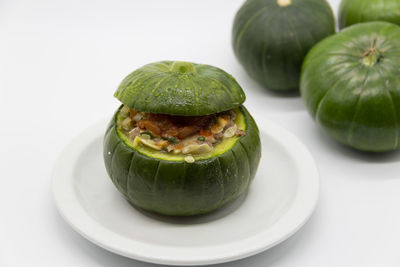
178, 134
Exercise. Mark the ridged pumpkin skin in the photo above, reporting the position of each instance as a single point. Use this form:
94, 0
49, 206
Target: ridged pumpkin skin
350, 84
177, 187
271, 40
356, 11
180, 88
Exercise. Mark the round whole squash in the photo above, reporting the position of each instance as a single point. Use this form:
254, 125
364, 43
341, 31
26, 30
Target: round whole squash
350, 83
356, 11
270, 38
165, 182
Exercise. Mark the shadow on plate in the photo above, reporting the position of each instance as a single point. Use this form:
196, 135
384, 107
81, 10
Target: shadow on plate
196, 219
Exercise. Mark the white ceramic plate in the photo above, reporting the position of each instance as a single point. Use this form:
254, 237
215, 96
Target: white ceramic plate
280, 200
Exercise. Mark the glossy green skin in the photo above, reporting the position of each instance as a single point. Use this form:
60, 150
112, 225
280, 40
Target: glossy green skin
357, 104
177, 187
356, 11
271, 41
180, 88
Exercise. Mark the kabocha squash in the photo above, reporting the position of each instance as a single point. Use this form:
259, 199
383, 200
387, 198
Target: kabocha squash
180, 88
350, 83
196, 147
356, 11
270, 38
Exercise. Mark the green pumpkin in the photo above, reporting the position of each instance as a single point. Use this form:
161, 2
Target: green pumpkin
164, 182
270, 38
180, 88
356, 11
350, 83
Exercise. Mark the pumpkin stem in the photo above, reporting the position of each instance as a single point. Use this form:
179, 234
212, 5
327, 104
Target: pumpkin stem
372, 55
283, 3
183, 67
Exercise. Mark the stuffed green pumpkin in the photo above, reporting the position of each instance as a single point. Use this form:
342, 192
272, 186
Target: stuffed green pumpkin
270, 38
356, 11
350, 83
181, 143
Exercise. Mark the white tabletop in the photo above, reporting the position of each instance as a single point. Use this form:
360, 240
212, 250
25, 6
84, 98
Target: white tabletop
60, 63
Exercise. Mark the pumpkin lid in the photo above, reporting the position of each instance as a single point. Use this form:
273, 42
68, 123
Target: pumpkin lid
180, 88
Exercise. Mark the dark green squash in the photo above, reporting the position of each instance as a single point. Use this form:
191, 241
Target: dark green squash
270, 38
180, 88
350, 83
165, 183
356, 11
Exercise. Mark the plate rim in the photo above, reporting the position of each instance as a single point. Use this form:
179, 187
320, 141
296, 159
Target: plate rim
288, 224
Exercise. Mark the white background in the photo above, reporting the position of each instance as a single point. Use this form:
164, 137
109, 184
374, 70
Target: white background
60, 63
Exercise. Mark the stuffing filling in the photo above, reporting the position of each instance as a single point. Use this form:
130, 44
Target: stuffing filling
185, 135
